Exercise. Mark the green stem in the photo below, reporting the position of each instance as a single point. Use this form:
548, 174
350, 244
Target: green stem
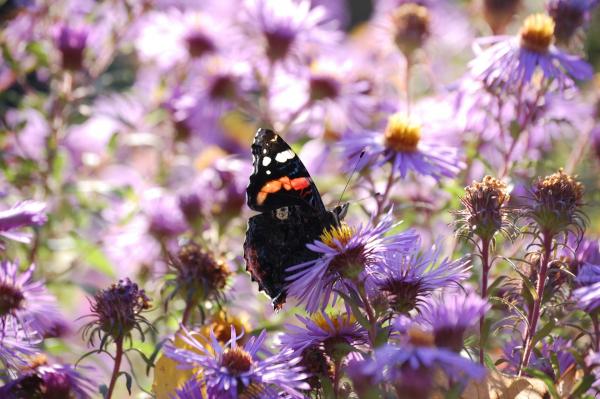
485, 268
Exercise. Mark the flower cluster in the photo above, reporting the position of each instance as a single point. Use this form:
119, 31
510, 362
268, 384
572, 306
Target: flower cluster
420, 202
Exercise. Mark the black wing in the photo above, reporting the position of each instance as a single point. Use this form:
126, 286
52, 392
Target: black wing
279, 178
277, 240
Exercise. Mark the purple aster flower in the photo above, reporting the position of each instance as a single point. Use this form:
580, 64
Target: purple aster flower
451, 315
16, 345
71, 42
406, 280
542, 358
116, 312
404, 146
192, 389
174, 36
231, 371
333, 96
411, 367
51, 381
164, 216
588, 295
325, 332
213, 89
287, 29
27, 301
347, 254
26, 213
510, 61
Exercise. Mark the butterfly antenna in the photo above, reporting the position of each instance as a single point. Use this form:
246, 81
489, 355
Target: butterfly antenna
362, 153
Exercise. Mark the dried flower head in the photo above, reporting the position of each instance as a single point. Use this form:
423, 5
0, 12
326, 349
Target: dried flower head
556, 204
499, 13
485, 210
197, 274
568, 16
116, 312
411, 23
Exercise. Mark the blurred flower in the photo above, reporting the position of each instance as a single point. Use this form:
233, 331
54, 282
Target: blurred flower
196, 275
557, 200
26, 213
595, 135
541, 359
411, 367
511, 61
568, 16
117, 311
336, 97
410, 23
587, 295
485, 210
348, 255
287, 29
499, 13
71, 42
176, 36
335, 334
233, 371
27, 301
164, 216
17, 344
405, 147
450, 316
406, 280
40, 379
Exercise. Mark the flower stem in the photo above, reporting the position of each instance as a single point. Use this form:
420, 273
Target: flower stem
485, 268
336, 378
189, 305
596, 325
537, 303
117, 366
370, 314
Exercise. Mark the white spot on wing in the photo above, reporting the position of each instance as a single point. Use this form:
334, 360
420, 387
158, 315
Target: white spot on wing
264, 150
284, 156
268, 172
266, 161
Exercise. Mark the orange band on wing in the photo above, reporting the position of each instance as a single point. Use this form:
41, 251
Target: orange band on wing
284, 182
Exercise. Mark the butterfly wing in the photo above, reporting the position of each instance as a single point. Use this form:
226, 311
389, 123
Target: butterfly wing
279, 178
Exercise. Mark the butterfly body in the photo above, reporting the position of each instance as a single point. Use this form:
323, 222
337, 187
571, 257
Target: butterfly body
292, 214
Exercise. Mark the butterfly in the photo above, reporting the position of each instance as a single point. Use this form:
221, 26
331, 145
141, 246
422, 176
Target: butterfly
292, 214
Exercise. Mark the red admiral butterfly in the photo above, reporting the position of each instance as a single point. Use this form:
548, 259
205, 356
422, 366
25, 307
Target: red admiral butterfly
292, 214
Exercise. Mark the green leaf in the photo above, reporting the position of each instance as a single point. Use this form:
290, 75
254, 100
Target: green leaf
489, 363
544, 331
92, 255
584, 384
514, 129
352, 301
327, 387
37, 50
547, 380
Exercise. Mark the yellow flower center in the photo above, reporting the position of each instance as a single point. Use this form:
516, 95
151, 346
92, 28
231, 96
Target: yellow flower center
537, 32
401, 134
337, 320
342, 234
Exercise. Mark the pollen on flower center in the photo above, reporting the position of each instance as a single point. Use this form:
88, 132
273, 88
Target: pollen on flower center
342, 234
537, 32
337, 322
401, 134
11, 299
237, 360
